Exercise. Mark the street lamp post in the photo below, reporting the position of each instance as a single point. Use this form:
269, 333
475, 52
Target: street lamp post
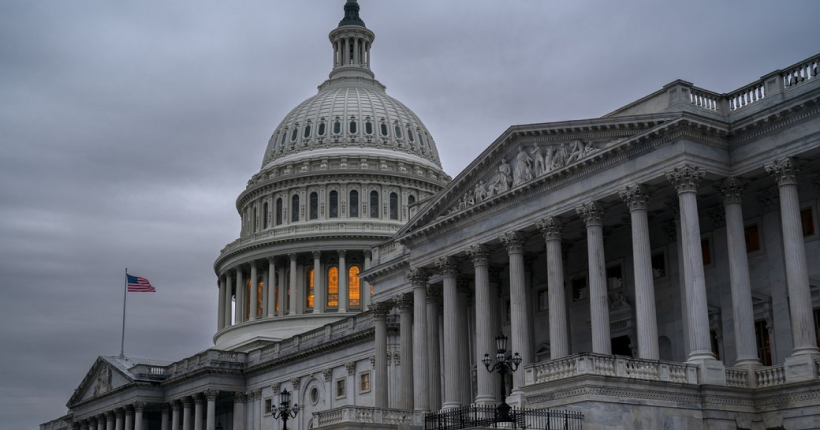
285, 411
503, 364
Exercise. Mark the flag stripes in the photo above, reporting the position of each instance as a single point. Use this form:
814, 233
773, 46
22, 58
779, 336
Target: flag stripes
139, 285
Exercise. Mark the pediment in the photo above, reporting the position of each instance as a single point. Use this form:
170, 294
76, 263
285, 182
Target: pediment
523, 155
102, 378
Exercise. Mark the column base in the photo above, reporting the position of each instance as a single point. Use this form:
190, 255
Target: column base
450, 405
710, 371
801, 367
485, 400
516, 398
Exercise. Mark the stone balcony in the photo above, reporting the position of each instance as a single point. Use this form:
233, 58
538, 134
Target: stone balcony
357, 417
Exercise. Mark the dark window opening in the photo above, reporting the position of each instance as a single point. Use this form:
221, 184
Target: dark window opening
337, 127
265, 214
321, 130
374, 204
307, 131
294, 208
706, 251
807, 219
394, 206
314, 205
334, 204
278, 211
354, 204
384, 129
752, 235
368, 127
352, 127
764, 350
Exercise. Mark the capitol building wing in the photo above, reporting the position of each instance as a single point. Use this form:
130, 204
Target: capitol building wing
654, 268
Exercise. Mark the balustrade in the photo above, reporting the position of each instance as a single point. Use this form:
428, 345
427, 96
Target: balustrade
770, 376
737, 378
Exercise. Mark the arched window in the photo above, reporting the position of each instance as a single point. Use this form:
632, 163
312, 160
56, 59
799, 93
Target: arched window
279, 211
294, 134
383, 129
374, 204
354, 292
265, 214
334, 204
409, 134
353, 204
352, 126
306, 134
309, 298
398, 131
321, 131
314, 205
294, 208
411, 199
394, 206
337, 126
333, 287
368, 127
284, 136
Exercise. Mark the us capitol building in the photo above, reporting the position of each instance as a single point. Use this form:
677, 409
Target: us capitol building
651, 267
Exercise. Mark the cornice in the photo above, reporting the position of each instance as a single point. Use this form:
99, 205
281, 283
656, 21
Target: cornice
351, 339
375, 272
775, 120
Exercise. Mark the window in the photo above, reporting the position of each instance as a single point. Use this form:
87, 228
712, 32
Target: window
614, 277
383, 129
321, 130
284, 136
337, 126
764, 350
715, 344
294, 134
706, 251
411, 199
351, 128
279, 211
752, 235
306, 134
659, 265
265, 214
314, 205
333, 287
364, 382
294, 208
374, 204
268, 403
354, 204
334, 204
410, 134
314, 395
340, 388
368, 127
807, 219
394, 206
309, 298
397, 130
354, 290
543, 300
579, 289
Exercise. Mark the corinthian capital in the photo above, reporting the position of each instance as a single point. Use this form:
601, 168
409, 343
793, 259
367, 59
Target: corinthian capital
784, 171
479, 254
405, 302
381, 309
732, 190
447, 266
417, 277
636, 197
550, 228
686, 178
513, 241
592, 213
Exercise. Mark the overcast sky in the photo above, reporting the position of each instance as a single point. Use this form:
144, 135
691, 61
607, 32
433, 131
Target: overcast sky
128, 128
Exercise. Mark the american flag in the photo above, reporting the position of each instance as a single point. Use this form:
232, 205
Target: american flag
139, 285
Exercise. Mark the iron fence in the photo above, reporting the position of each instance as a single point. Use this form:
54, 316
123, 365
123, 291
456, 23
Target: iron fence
490, 417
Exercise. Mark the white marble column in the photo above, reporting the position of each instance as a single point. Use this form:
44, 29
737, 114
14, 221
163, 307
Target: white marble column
405, 305
252, 307
495, 316
452, 382
164, 423
686, 180
228, 318
239, 310
380, 311
118, 423
421, 378
636, 198
270, 287
742, 308
519, 329
129, 418
484, 334
550, 228
343, 282
464, 336
785, 172
294, 294
175, 415
239, 411
319, 290
210, 420
197, 412
186, 413
364, 292
139, 407
220, 308
592, 214
433, 349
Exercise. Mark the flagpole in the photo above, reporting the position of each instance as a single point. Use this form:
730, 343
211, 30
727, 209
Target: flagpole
124, 295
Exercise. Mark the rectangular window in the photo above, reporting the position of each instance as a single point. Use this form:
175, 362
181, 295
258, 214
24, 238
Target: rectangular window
764, 351
340, 388
706, 249
579, 289
807, 218
614, 277
659, 265
543, 300
364, 382
267, 407
715, 344
752, 234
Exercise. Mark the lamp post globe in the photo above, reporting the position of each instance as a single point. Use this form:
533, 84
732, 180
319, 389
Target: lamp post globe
503, 364
284, 411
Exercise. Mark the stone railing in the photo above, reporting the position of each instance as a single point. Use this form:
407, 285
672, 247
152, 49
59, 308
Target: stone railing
610, 365
211, 358
365, 415
737, 378
770, 376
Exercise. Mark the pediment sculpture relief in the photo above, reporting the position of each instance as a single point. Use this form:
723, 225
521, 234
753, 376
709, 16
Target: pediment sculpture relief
103, 382
527, 165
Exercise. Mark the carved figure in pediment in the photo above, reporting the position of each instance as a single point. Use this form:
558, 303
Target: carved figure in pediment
523, 167
589, 148
576, 152
502, 181
560, 156
103, 383
479, 194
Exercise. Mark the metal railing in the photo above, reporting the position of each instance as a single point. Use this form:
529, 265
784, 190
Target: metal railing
489, 417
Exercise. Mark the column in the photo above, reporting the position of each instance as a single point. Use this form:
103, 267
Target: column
592, 214
380, 311
164, 424
294, 295
346, 52
519, 329
785, 172
319, 297
228, 295
175, 415
686, 180
210, 420
270, 286
252, 305
343, 283
550, 228
109, 421
83, 425
198, 411
129, 418
239, 411
465, 369
421, 400
365, 289
494, 275
452, 382
282, 291
220, 311
433, 350
405, 305
118, 424
186, 413
263, 308
742, 308
636, 197
239, 310
484, 335
139, 407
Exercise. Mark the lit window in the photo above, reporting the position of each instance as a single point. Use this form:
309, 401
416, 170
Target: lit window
294, 208
364, 382
752, 235
351, 128
309, 301
334, 204
807, 219
354, 290
314, 205
306, 134
354, 204
374, 204
333, 287
394, 206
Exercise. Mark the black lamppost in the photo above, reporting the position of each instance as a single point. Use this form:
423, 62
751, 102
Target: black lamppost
503, 364
285, 411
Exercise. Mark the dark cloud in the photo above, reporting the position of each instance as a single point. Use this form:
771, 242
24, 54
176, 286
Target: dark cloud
127, 129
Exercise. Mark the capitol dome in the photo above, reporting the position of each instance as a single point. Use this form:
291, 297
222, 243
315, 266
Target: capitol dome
342, 173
